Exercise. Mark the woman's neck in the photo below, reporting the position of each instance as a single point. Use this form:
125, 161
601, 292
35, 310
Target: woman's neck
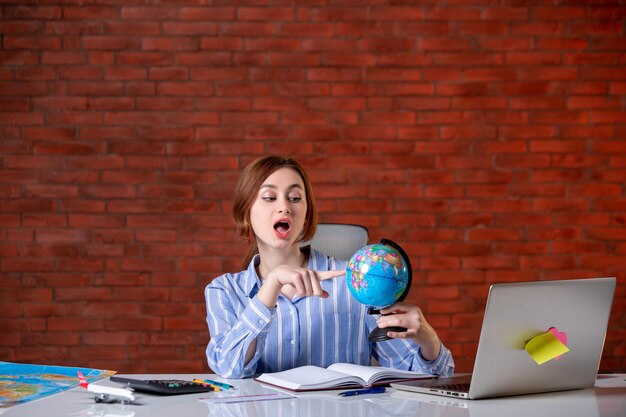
271, 259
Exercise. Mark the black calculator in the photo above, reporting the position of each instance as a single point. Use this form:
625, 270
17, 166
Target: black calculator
163, 386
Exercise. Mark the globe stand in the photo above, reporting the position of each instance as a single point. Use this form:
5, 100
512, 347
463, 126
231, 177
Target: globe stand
378, 334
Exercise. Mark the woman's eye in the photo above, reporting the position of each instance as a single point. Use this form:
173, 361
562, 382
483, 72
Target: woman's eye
268, 198
295, 199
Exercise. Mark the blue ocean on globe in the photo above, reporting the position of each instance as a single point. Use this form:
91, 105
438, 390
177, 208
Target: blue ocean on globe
377, 275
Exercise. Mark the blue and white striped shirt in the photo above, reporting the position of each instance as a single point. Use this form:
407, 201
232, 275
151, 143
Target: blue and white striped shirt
302, 331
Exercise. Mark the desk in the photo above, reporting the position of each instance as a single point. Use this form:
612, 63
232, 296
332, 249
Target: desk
606, 399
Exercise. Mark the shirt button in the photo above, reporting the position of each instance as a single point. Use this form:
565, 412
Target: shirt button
293, 342
261, 321
291, 313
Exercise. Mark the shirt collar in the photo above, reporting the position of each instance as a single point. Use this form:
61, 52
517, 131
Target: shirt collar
254, 283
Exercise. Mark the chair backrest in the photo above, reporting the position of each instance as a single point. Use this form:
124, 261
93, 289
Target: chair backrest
340, 241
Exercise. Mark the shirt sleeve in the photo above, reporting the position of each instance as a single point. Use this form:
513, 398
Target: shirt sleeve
232, 333
406, 354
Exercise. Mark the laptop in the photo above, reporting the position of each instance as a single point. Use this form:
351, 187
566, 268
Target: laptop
582, 403
518, 312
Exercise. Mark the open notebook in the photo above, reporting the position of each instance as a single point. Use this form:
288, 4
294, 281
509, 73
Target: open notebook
336, 376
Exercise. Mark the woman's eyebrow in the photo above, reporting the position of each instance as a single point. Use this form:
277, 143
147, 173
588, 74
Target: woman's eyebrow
274, 187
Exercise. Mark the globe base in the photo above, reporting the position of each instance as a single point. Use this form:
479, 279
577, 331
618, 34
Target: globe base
380, 335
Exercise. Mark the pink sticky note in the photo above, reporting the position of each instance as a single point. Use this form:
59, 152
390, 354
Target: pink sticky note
544, 347
562, 336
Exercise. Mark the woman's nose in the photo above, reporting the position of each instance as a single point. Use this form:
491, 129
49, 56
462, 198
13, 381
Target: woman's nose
285, 206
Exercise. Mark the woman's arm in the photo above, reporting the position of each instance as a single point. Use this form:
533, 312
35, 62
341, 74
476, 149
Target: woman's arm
237, 332
418, 349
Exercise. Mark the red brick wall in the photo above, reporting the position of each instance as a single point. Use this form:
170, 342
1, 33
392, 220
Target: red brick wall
487, 137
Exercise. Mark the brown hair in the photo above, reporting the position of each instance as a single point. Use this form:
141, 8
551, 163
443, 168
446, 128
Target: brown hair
250, 181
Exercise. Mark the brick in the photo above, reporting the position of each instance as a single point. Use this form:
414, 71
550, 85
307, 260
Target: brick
249, 59
14, 42
82, 206
360, 29
15, 235
576, 161
140, 88
18, 177
50, 191
327, 44
170, 44
80, 73
190, 28
61, 235
266, 13
90, 163
307, 30
14, 104
26, 265
559, 13
63, 58
126, 28
185, 89
221, 44
248, 29
592, 58
168, 73
68, 149
462, 162
348, 60
608, 13
290, 59
25, 27
95, 220
125, 73
115, 43
49, 133
23, 12
169, 192
114, 103
605, 190
44, 220
605, 28
557, 146
21, 118
602, 117
19, 57
145, 58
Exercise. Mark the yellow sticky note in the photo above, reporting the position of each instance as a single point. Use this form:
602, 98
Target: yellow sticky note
545, 347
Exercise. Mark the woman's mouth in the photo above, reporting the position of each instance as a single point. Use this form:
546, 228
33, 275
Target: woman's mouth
282, 228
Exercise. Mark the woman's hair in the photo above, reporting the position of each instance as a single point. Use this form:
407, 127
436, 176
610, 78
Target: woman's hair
247, 190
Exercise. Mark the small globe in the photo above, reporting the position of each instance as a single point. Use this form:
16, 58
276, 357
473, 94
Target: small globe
377, 275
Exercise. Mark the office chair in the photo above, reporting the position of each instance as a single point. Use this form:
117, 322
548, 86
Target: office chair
340, 241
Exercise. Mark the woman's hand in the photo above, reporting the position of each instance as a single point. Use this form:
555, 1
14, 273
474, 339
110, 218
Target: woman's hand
306, 282
417, 328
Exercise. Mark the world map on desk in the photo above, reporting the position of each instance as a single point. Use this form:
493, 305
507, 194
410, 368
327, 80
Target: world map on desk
21, 383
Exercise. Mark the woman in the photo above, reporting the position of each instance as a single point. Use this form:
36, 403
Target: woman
291, 306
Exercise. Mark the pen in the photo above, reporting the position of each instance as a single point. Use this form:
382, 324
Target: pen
219, 384
377, 390
199, 381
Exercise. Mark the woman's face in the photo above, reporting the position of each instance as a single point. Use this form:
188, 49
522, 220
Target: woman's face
277, 215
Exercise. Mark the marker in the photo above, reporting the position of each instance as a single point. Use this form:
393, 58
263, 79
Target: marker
219, 384
376, 390
199, 381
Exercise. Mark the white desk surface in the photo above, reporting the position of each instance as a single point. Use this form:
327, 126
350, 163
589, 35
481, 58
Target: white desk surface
606, 399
